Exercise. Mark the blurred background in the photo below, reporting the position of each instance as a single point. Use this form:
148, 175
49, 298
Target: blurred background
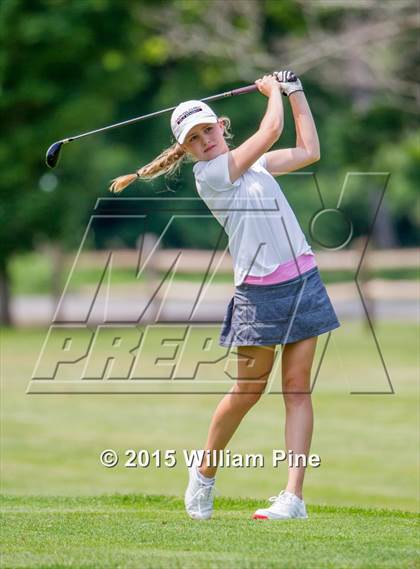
70, 67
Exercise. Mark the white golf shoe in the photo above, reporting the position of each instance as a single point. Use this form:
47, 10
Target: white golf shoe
285, 506
199, 496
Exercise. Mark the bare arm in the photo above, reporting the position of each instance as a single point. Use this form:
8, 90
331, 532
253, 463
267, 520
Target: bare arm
271, 126
307, 148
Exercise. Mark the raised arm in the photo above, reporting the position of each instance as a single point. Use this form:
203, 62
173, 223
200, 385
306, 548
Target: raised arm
270, 129
307, 148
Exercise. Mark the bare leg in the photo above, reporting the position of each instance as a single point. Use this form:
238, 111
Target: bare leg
297, 359
254, 367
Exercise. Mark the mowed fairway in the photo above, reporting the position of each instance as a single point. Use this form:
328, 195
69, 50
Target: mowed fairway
62, 508
151, 532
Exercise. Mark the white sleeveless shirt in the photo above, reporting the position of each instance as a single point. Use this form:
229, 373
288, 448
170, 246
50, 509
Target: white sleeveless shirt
263, 230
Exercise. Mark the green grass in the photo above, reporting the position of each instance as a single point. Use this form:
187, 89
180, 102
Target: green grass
60, 504
133, 531
31, 274
368, 443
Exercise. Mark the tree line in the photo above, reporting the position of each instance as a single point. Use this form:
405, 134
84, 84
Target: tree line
69, 67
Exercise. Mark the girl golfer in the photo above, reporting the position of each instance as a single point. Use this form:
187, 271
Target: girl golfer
279, 296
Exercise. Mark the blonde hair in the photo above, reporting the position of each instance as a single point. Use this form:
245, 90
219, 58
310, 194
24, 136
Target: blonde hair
168, 162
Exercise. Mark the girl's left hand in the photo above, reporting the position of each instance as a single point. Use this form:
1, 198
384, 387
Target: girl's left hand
287, 87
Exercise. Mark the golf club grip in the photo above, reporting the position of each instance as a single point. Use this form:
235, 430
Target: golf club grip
243, 90
251, 88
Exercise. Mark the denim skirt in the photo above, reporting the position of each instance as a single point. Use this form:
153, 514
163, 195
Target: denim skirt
282, 313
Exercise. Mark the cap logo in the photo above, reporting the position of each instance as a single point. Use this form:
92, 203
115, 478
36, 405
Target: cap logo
188, 113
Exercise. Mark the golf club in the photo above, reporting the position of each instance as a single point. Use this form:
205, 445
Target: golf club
53, 152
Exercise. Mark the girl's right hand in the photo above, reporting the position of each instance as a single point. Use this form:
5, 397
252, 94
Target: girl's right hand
266, 84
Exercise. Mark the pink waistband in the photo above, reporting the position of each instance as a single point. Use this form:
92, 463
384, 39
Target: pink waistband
285, 271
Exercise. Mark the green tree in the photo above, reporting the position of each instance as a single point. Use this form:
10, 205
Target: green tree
69, 67
66, 67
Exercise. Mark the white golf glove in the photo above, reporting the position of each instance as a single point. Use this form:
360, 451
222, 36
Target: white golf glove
287, 86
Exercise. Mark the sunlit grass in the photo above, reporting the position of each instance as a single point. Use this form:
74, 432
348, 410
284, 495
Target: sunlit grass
134, 531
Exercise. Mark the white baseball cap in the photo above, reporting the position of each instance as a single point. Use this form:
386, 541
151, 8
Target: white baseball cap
187, 115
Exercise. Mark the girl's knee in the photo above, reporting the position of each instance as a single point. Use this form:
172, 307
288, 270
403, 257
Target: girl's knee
296, 390
248, 394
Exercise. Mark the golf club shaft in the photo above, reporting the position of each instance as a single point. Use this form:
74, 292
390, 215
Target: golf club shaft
239, 91
53, 152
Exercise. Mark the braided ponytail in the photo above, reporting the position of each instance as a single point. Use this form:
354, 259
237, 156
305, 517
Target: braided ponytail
167, 162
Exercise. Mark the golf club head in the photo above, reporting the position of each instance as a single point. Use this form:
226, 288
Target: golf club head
53, 154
